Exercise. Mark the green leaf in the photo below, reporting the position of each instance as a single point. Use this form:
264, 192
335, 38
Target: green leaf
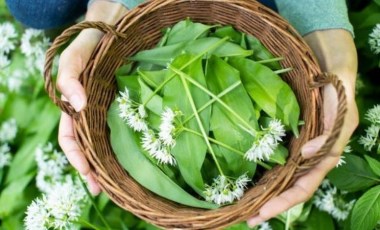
185, 31
280, 155
125, 144
12, 197
260, 52
292, 214
225, 126
318, 220
269, 91
39, 130
373, 164
366, 212
229, 31
164, 55
190, 150
353, 176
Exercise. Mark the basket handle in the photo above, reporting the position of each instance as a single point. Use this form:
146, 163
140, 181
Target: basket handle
320, 81
61, 40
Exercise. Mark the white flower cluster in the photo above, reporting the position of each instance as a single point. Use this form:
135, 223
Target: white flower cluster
374, 39
64, 197
8, 132
131, 112
329, 199
34, 44
52, 165
266, 141
5, 155
7, 42
265, 226
372, 132
58, 209
225, 190
159, 145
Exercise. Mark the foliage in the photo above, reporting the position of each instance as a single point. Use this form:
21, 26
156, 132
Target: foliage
22, 99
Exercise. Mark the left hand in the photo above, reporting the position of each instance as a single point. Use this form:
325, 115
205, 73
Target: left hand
336, 53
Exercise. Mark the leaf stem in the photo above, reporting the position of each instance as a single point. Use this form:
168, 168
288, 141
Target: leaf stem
264, 165
283, 71
199, 121
214, 46
220, 95
270, 60
188, 78
102, 219
86, 224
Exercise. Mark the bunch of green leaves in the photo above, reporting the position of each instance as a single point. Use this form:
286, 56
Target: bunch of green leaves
226, 86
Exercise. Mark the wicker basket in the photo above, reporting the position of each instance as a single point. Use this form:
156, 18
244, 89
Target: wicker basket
141, 29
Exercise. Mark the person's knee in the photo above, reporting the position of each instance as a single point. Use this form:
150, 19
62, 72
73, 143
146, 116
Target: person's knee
46, 14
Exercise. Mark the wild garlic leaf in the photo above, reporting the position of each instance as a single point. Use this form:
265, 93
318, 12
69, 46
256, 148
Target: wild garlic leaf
260, 52
190, 150
185, 31
164, 55
126, 146
226, 127
269, 91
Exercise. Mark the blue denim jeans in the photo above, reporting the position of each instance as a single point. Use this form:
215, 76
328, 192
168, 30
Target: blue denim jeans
48, 14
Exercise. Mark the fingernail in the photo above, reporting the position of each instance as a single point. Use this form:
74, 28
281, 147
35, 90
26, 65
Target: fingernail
76, 102
94, 191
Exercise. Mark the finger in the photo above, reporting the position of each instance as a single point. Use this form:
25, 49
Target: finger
67, 82
311, 147
70, 147
72, 62
93, 184
301, 191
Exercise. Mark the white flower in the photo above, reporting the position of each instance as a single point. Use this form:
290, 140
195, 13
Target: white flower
156, 148
374, 39
15, 80
167, 128
262, 148
59, 208
373, 115
134, 114
266, 141
5, 155
265, 226
341, 161
51, 167
330, 200
37, 216
370, 139
7, 38
34, 43
225, 190
66, 207
4, 61
8, 130
347, 149
276, 129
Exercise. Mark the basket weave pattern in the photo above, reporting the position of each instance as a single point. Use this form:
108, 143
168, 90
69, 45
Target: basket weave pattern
140, 29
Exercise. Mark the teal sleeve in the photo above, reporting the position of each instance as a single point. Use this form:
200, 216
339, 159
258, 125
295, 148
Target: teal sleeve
129, 4
311, 15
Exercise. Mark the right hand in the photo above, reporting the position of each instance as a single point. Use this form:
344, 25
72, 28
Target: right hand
72, 62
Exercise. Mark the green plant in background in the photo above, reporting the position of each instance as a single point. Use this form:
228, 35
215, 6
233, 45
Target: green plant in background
30, 122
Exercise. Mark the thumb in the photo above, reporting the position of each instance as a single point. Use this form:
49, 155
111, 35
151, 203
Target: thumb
311, 147
72, 62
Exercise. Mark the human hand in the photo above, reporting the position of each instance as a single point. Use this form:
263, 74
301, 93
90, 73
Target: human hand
336, 53
72, 62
